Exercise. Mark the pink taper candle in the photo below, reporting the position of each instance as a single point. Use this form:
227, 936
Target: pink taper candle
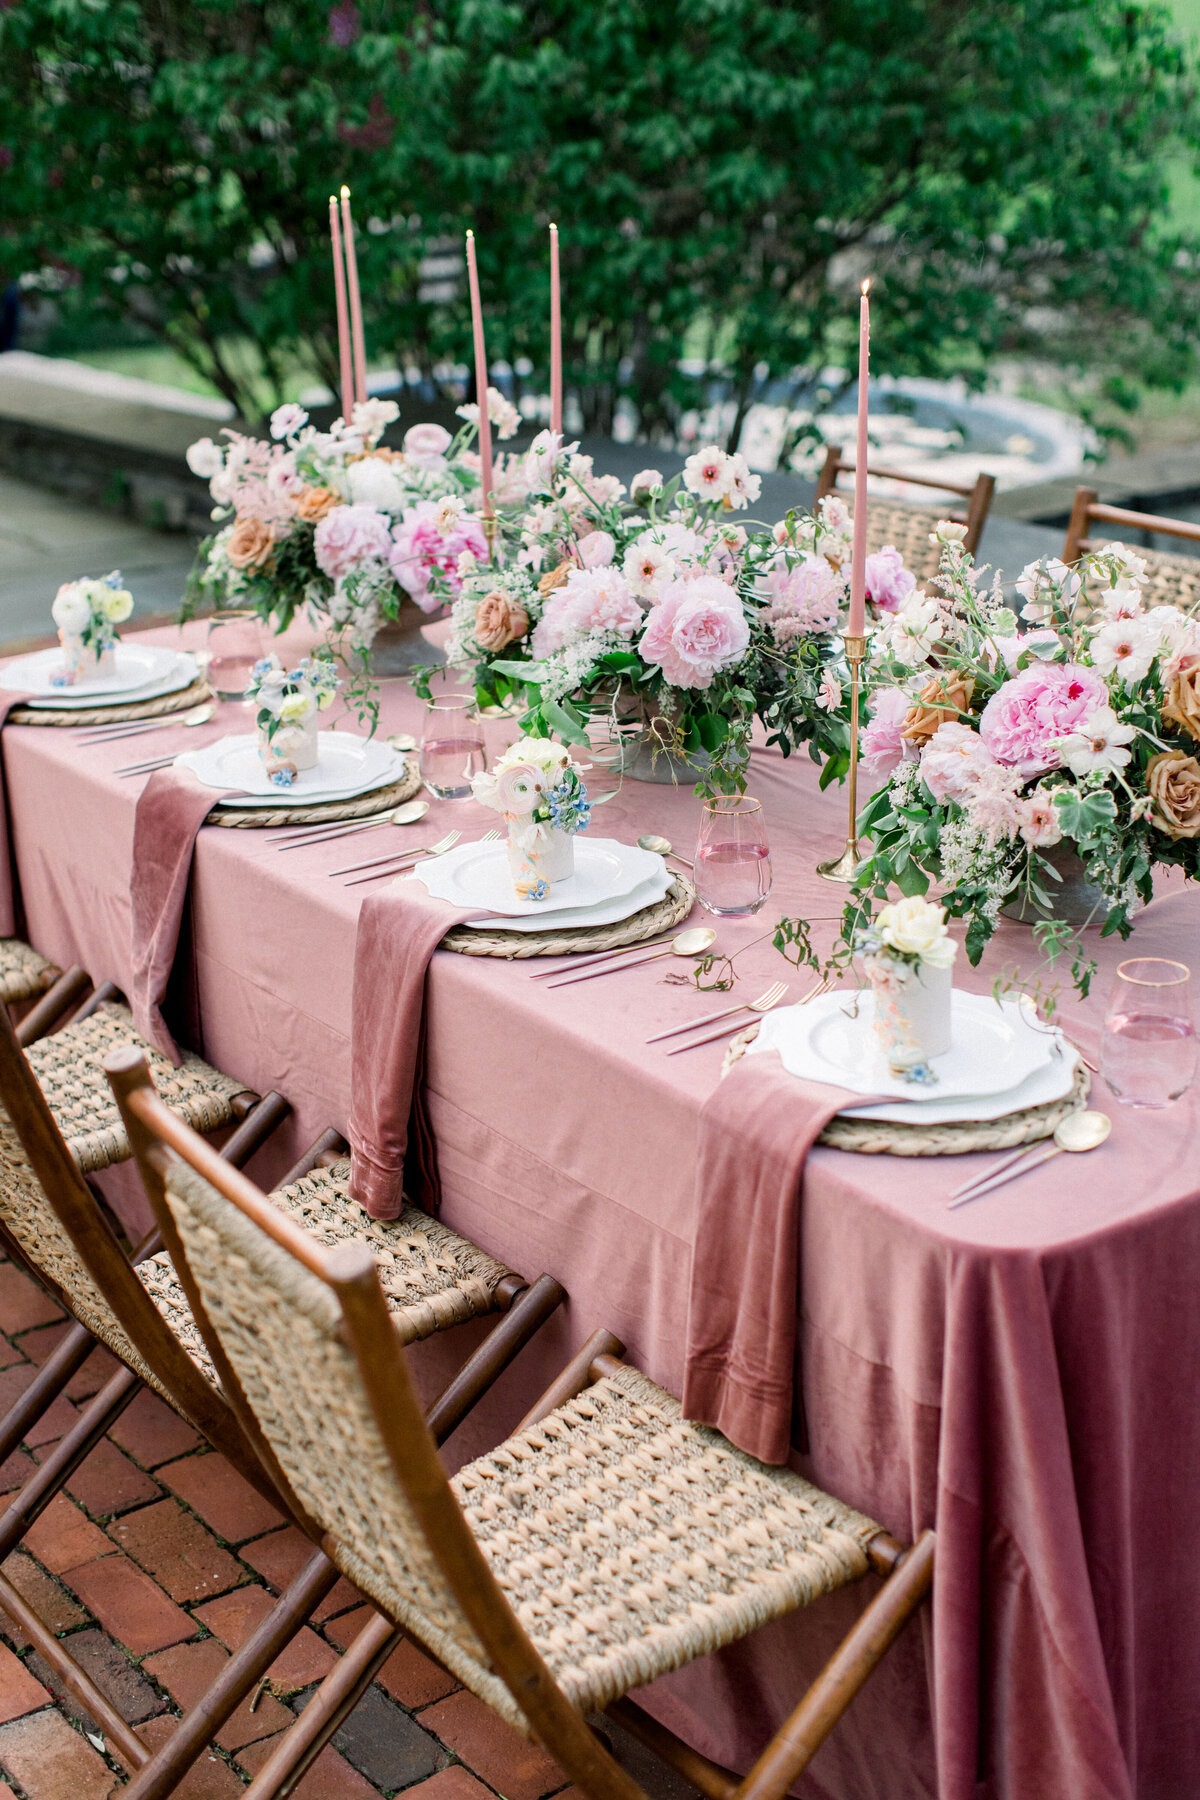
481, 379
555, 337
858, 563
357, 340
343, 318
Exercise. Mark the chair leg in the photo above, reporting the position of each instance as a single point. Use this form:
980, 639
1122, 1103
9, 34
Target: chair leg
45, 1387
264, 1117
527, 1314
162, 1774
53, 1003
108, 990
65, 1458
707, 1777
331, 1144
856, 1657
333, 1702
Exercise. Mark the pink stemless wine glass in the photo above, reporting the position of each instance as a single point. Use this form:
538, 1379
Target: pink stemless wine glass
733, 858
235, 643
1149, 1052
451, 746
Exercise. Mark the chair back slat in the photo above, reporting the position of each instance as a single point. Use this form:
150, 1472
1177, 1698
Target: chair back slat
906, 525
1171, 579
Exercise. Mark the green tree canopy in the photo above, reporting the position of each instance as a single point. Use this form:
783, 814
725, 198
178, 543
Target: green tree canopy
722, 171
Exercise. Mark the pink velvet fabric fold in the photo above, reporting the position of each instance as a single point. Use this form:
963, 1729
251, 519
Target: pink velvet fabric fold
11, 921
398, 932
171, 809
756, 1130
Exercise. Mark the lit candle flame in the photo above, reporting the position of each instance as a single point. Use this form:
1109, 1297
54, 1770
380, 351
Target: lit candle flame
866, 286
345, 193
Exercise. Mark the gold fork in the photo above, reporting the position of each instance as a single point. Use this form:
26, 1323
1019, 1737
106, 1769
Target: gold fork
764, 1003
439, 849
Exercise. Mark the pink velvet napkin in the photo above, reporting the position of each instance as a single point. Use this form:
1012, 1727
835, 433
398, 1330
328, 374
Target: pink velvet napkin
398, 932
11, 920
170, 811
756, 1131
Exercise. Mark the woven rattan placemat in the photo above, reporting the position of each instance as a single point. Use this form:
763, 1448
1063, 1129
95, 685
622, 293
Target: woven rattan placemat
672, 909
179, 701
325, 812
881, 1137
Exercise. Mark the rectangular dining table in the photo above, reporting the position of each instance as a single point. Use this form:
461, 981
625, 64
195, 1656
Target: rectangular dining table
1017, 1373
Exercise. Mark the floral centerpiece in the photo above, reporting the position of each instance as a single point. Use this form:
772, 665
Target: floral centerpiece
661, 614
339, 524
539, 790
87, 613
1011, 755
289, 704
908, 958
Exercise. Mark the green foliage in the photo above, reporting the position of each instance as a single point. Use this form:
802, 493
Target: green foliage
722, 170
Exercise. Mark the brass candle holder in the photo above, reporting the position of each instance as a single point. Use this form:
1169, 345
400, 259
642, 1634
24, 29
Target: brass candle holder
841, 868
490, 528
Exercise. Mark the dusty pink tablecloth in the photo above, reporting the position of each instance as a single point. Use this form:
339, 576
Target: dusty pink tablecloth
1018, 1372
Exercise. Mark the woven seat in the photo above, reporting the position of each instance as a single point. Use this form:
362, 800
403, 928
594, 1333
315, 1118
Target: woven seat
23, 973
908, 529
1171, 579
68, 1067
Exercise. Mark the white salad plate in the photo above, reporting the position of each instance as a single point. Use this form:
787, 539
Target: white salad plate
479, 875
606, 912
346, 766
144, 671
996, 1046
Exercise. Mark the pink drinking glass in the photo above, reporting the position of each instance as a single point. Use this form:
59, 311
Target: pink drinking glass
733, 858
451, 746
1148, 1057
235, 643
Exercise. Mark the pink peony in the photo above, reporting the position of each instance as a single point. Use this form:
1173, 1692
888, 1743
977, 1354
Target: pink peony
954, 760
425, 446
696, 628
349, 536
880, 746
1023, 720
422, 551
802, 600
888, 581
589, 600
596, 550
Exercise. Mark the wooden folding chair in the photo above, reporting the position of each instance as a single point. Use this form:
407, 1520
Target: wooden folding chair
606, 1542
142, 1315
1170, 580
908, 526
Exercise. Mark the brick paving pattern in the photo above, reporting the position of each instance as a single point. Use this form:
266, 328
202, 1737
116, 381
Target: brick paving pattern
154, 1565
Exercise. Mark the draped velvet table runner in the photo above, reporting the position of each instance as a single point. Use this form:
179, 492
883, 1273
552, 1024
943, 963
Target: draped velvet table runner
1018, 1372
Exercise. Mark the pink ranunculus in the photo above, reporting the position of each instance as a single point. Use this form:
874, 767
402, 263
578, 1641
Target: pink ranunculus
422, 551
696, 629
803, 599
887, 579
596, 550
881, 748
590, 600
953, 760
1023, 719
350, 536
519, 788
425, 446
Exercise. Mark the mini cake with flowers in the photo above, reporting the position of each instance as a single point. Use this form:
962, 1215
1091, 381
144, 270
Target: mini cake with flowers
538, 789
908, 958
289, 704
86, 613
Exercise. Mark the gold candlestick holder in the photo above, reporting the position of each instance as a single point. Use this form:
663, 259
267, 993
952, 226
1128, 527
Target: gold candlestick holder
842, 867
490, 529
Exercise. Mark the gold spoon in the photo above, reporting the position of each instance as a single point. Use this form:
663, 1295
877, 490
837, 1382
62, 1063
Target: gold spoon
661, 846
407, 813
104, 734
1081, 1131
689, 943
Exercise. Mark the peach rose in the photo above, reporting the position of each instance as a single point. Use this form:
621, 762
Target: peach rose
499, 621
1173, 781
940, 700
555, 579
314, 503
251, 544
1182, 704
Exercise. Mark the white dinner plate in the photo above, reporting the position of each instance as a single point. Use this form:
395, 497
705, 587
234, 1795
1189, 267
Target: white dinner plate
346, 766
608, 912
995, 1046
479, 875
140, 667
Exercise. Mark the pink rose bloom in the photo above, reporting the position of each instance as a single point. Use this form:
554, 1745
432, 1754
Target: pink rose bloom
954, 760
880, 746
696, 628
421, 551
802, 600
589, 600
348, 537
425, 446
888, 581
1024, 718
1039, 821
597, 550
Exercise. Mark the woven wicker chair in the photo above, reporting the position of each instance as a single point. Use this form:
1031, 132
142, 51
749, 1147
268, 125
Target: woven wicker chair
605, 1543
23, 973
1170, 580
906, 526
143, 1316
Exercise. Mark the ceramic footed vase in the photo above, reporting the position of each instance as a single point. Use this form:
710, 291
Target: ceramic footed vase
912, 1015
398, 646
82, 662
537, 866
291, 749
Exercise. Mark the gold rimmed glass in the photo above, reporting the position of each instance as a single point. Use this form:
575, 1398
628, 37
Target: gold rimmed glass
1148, 1057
